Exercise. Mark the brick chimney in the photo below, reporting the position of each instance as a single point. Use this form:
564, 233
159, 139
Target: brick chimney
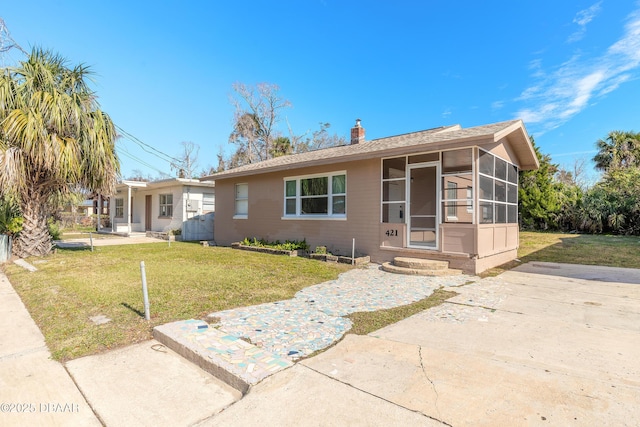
357, 133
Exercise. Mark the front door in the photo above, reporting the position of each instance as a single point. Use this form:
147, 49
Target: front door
422, 197
147, 213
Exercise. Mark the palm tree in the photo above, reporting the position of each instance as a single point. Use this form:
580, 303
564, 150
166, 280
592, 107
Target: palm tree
618, 150
54, 140
281, 147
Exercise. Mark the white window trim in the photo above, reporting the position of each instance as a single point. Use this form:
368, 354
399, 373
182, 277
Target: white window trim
235, 200
213, 204
121, 200
298, 197
160, 205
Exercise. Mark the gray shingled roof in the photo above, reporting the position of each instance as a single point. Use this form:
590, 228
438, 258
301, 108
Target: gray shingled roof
443, 135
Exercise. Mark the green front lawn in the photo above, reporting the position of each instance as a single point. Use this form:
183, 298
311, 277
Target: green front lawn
605, 250
185, 281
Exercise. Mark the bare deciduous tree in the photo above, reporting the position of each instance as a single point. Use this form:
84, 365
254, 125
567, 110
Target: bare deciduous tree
187, 161
256, 136
574, 174
318, 139
257, 111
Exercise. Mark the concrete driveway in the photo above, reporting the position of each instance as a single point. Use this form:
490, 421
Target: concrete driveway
544, 344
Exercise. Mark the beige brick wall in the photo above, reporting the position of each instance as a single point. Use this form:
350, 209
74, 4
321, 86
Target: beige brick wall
266, 205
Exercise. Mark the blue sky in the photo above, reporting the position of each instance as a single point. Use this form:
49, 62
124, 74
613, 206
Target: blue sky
165, 69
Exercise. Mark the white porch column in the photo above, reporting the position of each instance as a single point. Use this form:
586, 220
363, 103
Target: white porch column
129, 208
112, 214
99, 210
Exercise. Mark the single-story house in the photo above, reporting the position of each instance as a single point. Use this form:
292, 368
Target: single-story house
163, 206
87, 207
445, 194
82, 209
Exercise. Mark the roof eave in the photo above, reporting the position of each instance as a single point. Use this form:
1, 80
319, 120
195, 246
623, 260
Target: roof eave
170, 182
391, 152
514, 131
521, 141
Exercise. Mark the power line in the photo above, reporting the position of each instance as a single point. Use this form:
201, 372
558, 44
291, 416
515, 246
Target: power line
7, 43
123, 151
146, 147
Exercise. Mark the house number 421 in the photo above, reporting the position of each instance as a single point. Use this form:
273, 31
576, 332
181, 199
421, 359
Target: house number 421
392, 233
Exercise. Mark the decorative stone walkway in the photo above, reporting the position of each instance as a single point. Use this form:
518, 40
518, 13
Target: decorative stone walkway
292, 328
231, 359
254, 342
371, 289
473, 303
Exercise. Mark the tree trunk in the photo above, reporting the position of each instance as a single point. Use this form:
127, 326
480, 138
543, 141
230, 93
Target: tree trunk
34, 239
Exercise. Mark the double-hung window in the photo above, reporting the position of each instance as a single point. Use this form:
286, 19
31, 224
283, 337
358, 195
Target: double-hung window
119, 208
316, 196
242, 201
166, 205
208, 202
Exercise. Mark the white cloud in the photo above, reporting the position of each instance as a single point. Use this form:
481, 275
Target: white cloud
614, 83
497, 105
557, 95
628, 47
585, 16
582, 19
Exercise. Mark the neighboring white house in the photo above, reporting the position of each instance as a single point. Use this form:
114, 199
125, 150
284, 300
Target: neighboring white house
163, 206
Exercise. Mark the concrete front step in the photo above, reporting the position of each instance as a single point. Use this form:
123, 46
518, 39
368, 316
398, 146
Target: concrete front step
231, 359
391, 268
420, 264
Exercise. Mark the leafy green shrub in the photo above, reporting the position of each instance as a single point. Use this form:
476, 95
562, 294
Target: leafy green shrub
288, 245
613, 205
538, 201
54, 229
10, 218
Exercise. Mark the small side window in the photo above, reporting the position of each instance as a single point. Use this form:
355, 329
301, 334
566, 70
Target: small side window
242, 200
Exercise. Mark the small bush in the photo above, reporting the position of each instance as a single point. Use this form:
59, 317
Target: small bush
321, 250
10, 218
289, 245
54, 229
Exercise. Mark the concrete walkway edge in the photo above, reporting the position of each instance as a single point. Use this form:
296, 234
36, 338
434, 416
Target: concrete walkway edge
34, 389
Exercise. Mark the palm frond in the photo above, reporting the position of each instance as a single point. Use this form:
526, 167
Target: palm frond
54, 138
